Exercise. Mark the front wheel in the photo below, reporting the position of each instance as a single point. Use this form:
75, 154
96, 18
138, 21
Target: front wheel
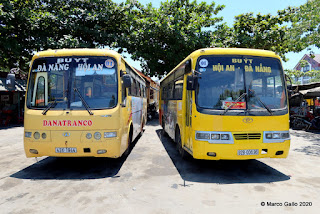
181, 151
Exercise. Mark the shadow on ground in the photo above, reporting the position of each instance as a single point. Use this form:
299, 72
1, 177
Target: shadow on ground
313, 137
153, 122
61, 168
224, 172
10, 126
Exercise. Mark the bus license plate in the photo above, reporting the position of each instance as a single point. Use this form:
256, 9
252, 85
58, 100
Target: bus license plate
66, 150
248, 152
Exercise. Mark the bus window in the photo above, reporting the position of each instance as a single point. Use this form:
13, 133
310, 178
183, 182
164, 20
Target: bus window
40, 93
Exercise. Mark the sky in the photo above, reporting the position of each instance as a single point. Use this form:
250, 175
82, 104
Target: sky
237, 7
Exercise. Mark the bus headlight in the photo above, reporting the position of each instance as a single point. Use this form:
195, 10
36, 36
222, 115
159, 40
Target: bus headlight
97, 135
36, 135
110, 134
275, 136
28, 134
215, 137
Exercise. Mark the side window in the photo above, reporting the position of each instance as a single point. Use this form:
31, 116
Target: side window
124, 95
164, 93
170, 91
138, 89
178, 88
40, 94
151, 93
141, 89
133, 88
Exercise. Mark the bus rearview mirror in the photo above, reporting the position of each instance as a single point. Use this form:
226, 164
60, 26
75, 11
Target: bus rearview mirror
126, 80
187, 68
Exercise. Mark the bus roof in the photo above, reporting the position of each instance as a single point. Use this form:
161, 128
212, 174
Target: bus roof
226, 51
76, 52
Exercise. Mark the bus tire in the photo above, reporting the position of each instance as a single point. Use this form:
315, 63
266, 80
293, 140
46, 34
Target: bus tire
142, 125
163, 126
126, 153
181, 151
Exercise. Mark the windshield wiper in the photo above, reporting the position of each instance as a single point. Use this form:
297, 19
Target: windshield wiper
54, 103
265, 106
83, 101
233, 103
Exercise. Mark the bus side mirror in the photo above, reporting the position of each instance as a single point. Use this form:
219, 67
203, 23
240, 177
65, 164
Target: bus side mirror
191, 83
10, 81
126, 80
187, 68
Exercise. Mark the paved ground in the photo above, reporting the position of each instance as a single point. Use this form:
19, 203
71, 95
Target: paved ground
154, 179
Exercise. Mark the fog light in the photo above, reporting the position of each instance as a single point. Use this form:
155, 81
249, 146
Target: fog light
28, 134
97, 135
101, 151
224, 137
44, 135
212, 154
36, 135
33, 151
200, 136
88, 135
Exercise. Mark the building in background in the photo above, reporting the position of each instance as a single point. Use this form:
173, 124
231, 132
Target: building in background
12, 93
313, 64
152, 93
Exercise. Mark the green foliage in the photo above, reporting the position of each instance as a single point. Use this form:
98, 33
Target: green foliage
295, 74
162, 37
159, 37
305, 30
261, 32
29, 26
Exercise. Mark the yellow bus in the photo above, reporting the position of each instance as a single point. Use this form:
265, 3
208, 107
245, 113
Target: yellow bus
227, 103
82, 102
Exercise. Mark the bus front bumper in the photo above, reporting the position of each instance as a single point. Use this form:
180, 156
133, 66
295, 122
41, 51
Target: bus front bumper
240, 151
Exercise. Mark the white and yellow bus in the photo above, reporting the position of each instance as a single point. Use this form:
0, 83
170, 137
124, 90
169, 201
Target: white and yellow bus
82, 102
227, 103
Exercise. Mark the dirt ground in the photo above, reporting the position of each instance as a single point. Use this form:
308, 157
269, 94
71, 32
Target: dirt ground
154, 179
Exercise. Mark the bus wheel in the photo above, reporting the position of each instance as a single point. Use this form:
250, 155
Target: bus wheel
142, 125
163, 127
126, 153
182, 152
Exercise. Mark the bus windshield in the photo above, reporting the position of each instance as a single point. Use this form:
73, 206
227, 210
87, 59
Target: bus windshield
240, 84
62, 82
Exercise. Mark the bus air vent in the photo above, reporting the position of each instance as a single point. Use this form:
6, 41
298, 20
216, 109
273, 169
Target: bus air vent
247, 136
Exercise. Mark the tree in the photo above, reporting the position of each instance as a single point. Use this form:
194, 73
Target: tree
15, 25
162, 37
30, 26
262, 32
305, 29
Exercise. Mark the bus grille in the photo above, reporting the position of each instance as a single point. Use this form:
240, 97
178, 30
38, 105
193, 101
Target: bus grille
247, 136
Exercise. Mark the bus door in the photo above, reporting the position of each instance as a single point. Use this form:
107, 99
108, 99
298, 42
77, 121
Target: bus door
188, 142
